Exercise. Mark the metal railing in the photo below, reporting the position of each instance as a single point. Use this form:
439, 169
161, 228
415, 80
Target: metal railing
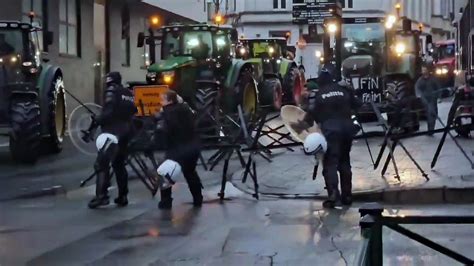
372, 222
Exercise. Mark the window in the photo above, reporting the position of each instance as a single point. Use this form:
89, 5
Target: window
125, 42
279, 4
68, 27
37, 7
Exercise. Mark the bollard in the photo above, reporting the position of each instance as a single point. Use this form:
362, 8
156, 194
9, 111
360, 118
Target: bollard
371, 228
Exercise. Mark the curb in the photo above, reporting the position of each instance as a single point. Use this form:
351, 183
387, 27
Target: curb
50, 191
441, 195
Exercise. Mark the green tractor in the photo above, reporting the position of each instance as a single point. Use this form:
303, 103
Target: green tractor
32, 95
198, 62
280, 79
383, 62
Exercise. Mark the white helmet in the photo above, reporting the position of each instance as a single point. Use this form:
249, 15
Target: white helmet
315, 143
168, 171
104, 140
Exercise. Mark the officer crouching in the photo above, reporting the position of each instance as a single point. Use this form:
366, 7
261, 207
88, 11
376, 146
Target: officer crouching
117, 129
331, 106
176, 122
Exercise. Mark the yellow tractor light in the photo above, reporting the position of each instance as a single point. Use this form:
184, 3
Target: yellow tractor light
400, 48
168, 77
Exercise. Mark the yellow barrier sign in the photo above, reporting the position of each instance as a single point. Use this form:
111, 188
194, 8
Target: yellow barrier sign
148, 99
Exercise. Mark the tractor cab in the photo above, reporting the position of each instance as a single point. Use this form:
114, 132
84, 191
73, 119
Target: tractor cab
404, 53
188, 53
20, 62
19, 53
271, 52
363, 45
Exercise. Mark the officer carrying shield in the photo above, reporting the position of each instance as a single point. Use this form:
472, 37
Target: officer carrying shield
117, 129
331, 106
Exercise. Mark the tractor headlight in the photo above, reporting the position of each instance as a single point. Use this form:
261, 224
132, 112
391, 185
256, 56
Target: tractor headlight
441, 71
242, 51
332, 27
348, 44
400, 48
271, 50
151, 76
168, 77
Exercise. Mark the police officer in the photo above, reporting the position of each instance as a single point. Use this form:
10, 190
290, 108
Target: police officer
117, 129
176, 121
331, 106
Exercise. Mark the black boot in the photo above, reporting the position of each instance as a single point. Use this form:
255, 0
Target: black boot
101, 198
121, 201
346, 200
122, 184
196, 191
166, 200
334, 199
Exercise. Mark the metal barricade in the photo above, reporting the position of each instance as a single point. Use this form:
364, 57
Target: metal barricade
372, 222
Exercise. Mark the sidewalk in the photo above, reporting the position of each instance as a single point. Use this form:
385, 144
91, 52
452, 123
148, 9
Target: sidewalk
451, 181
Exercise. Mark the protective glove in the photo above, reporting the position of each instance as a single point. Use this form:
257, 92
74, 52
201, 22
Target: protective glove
86, 136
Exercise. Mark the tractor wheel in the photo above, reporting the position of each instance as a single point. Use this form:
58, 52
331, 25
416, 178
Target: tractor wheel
247, 92
57, 115
397, 90
271, 93
25, 138
294, 86
399, 95
206, 104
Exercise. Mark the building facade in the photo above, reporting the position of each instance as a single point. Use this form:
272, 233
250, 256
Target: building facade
465, 38
91, 38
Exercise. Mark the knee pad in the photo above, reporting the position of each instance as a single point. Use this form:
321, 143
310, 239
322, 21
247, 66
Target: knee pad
106, 154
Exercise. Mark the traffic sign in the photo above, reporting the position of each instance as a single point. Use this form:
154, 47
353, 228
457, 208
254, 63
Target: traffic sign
315, 11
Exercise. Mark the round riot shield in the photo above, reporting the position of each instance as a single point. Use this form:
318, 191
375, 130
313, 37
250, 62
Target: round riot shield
79, 125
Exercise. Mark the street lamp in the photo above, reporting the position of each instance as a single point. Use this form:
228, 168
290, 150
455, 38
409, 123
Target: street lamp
219, 19
398, 6
155, 21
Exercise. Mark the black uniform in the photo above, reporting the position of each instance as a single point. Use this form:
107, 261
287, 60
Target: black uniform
182, 146
116, 119
331, 106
